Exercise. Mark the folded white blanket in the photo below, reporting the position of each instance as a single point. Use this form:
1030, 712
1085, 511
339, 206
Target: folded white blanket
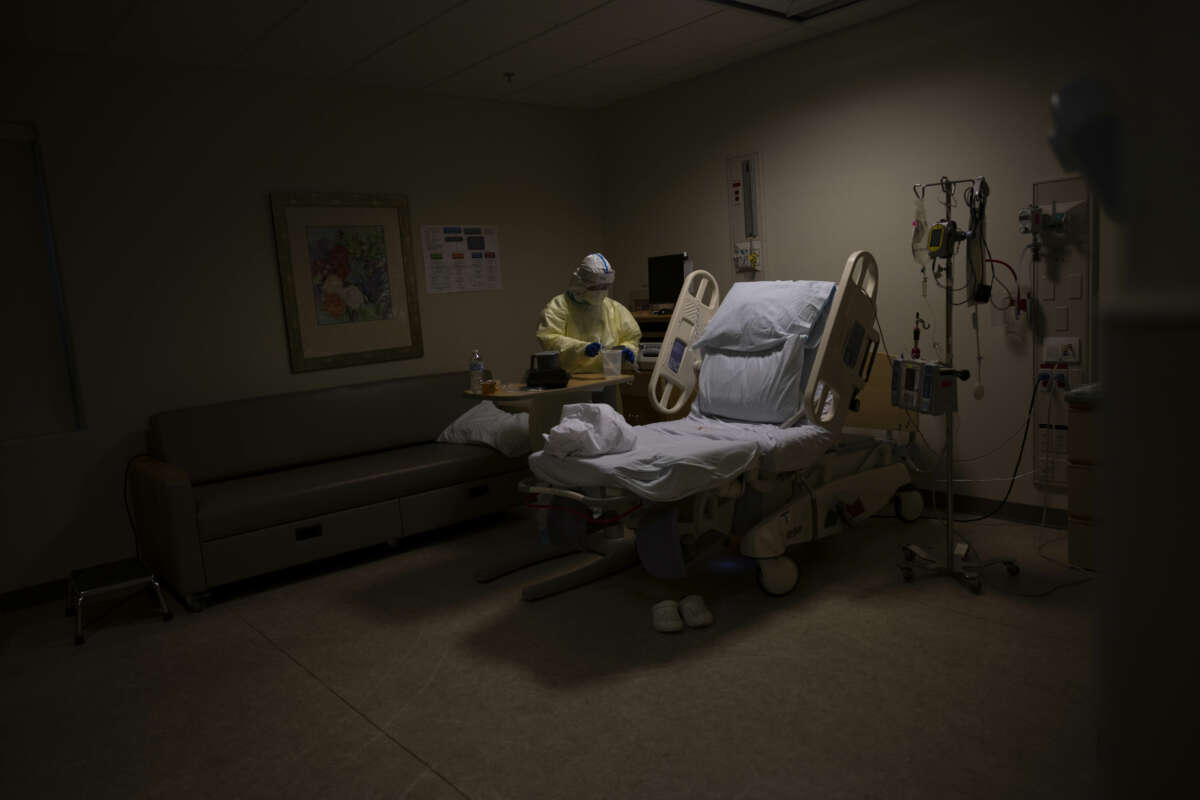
589, 429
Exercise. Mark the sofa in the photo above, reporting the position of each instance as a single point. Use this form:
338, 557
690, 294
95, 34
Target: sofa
238, 489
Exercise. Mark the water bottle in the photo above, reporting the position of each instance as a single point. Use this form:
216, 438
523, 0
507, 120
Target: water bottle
475, 370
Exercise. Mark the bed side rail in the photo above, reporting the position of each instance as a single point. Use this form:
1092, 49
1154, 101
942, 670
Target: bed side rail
847, 350
677, 365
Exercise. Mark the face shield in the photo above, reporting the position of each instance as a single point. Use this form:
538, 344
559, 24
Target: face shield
591, 280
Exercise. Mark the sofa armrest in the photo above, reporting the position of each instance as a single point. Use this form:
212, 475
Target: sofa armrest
164, 512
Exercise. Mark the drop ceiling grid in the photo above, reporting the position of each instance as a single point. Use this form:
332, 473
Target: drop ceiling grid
593, 36
681, 53
65, 26
326, 37
573, 53
214, 33
467, 35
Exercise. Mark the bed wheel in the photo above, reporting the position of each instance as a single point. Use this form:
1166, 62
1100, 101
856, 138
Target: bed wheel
777, 576
1012, 568
908, 504
907, 573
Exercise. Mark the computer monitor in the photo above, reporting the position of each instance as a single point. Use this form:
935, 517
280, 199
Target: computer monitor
666, 275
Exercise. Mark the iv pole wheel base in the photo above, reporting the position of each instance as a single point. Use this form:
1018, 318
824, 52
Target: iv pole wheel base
1012, 568
777, 576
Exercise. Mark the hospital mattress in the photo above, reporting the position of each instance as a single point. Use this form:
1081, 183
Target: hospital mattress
779, 449
675, 459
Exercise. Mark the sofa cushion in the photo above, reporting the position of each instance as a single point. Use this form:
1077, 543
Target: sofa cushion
234, 506
262, 434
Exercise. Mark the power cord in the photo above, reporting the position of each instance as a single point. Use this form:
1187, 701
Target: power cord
993, 451
1041, 552
1020, 454
1017, 466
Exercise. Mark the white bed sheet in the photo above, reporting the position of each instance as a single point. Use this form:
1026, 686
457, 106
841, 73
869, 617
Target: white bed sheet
675, 459
663, 467
779, 449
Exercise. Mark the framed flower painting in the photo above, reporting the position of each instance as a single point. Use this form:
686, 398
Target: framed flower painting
349, 286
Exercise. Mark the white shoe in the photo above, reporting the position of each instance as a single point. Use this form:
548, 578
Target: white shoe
694, 612
666, 617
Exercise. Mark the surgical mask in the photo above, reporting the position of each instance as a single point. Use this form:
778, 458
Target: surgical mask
595, 297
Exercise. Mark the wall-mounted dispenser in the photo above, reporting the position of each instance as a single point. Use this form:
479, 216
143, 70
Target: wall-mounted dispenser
745, 214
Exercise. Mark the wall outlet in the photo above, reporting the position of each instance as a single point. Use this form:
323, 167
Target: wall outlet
1061, 350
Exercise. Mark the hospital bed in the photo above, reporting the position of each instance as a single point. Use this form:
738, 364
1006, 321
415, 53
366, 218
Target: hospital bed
695, 483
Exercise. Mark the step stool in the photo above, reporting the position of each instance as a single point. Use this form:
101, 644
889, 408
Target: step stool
85, 584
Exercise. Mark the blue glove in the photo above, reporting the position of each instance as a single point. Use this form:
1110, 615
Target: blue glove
592, 349
628, 354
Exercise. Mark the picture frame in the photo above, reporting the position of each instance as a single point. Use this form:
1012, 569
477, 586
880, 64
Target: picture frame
348, 278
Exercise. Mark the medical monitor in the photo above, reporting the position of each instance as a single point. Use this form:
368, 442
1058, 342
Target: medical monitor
665, 275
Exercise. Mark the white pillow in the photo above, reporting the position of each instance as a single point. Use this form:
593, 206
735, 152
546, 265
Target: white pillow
486, 424
589, 429
761, 315
755, 387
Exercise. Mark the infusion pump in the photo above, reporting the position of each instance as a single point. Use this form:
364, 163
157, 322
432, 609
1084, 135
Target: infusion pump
925, 386
648, 354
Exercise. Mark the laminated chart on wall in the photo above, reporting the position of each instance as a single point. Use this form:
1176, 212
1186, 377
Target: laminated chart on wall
461, 258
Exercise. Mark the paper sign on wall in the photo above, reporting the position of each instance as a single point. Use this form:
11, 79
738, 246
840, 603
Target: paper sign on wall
461, 258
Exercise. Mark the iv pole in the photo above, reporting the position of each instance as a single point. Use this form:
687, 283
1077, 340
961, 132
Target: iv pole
966, 572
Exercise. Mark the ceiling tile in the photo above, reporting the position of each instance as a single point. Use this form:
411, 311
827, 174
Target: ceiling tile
587, 38
575, 53
326, 37
215, 32
64, 26
471, 33
661, 60
629, 74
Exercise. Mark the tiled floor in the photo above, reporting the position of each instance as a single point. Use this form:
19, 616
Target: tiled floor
398, 676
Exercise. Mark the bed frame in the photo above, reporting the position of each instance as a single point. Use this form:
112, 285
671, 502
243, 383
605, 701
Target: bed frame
764, 512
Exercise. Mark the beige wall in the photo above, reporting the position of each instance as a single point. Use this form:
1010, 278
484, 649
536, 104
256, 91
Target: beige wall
159, 189
844, 125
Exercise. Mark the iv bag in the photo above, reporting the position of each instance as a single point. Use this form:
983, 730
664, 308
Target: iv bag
920, 234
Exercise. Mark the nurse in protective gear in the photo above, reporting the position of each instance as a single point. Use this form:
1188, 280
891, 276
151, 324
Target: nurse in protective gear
583, 320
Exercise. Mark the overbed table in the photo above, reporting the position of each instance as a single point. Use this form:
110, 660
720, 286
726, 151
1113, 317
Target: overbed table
545, 405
